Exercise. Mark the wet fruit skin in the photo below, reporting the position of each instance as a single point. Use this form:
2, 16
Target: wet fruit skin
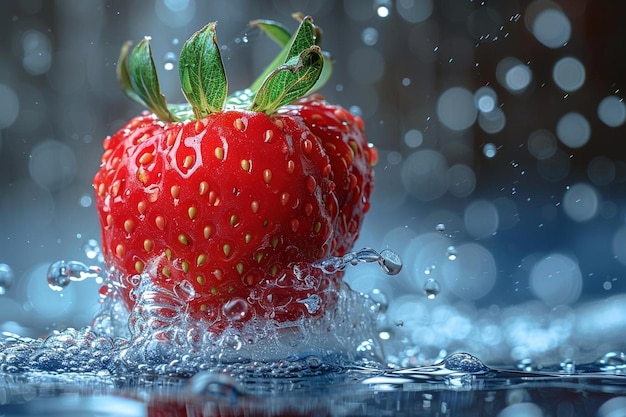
235, 206
231, 201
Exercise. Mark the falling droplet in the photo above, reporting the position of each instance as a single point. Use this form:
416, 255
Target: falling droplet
451, 253
6, 278
390, 262
431, 288
235, 309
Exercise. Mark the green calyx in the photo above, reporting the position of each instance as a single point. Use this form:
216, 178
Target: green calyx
299, 69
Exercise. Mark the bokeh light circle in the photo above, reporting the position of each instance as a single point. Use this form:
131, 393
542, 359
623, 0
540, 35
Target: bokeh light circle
52, 165
424, 174
573, 130
618, 244
569, 74
552, 28
612, 111
461, 180
581, 202
481, 218
456, 108
413, 138
542, 144
601, 170
10, 105
414, 11
472, 274
556, 279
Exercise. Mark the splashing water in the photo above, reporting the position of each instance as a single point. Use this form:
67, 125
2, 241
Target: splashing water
168, 362
61, 273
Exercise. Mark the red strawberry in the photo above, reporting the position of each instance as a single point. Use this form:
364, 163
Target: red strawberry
230, 200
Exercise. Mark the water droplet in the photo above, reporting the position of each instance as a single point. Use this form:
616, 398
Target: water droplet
313, 362
390, 262
61, 273
378, 297
431, 288
235, 309
169, 61
568, 366
185, 291
611, 361
451, 253
312, 303
384, 334
368, 255
232, 341
399, 323
6, 278
440, 228
464, 362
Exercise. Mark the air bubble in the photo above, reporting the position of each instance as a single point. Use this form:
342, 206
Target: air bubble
440, 228
6, 278
61, 273
431, 288
235, 309
451, 253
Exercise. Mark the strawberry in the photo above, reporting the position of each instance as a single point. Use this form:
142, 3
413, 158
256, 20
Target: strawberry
229, 201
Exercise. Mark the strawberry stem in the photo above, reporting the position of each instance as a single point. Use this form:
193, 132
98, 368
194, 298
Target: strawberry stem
299, 69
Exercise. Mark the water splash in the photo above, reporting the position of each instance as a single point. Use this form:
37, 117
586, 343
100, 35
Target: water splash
388, 260
61, 273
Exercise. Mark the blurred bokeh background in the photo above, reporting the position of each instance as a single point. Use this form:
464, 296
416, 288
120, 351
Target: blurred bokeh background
500, 126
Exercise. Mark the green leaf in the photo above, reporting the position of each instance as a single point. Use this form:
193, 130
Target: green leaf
327, 72
290, 81
144, 82
274, 30
301, 40
202, 73
124, 77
